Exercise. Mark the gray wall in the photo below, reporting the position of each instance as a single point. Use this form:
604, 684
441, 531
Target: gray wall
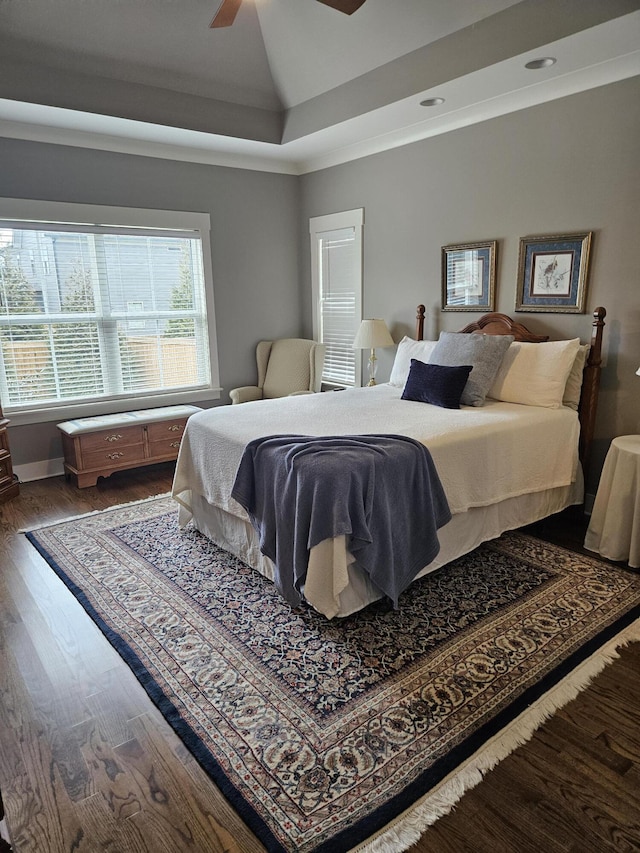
567, 166
254, 228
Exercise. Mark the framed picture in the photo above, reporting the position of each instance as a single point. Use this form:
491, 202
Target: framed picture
469, 277
552, 273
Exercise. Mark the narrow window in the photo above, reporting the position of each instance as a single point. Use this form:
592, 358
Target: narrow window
336, 274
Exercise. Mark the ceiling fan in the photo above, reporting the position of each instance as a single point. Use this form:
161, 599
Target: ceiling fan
228, 9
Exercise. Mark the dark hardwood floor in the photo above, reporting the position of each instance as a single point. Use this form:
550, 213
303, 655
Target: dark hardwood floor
88, 764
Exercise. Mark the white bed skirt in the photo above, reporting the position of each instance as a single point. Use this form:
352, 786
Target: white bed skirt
336, 586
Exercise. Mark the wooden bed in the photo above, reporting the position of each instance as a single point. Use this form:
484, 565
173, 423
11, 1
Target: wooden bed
545, 479
501, 324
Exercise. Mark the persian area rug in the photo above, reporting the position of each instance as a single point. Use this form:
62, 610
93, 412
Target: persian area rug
352, 733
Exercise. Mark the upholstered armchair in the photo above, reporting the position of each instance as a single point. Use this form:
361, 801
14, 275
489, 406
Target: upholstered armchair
285, 367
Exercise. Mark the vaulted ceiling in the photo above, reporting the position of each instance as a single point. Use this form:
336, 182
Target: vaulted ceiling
293, 85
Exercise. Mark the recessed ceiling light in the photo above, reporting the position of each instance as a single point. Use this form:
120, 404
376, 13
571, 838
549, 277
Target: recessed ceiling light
545, 62
432, 102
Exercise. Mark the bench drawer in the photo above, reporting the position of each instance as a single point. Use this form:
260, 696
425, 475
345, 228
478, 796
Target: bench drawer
166, 430
106, 457
165, 449
110, 438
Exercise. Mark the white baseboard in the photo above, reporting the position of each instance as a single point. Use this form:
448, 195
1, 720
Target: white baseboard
39, 470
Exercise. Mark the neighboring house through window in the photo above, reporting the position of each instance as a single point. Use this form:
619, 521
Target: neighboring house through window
336, 276
135, 307
103, 309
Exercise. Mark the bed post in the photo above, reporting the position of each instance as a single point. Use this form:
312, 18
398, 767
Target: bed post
420, 322
590, 386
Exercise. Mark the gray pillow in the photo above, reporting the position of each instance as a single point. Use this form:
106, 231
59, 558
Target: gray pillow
483, 352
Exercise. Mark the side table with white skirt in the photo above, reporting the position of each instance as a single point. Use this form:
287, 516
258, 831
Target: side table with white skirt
614, 528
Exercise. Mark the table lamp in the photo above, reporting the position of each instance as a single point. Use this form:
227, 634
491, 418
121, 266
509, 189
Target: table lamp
372, 334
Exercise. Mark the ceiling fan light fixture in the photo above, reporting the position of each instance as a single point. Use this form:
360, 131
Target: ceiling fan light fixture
346, 6
226, 14
543, 62
228, 9
432, 102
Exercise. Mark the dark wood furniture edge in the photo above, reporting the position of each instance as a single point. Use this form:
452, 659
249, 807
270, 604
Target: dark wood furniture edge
9, 486
591, 387
495, 323
420, 322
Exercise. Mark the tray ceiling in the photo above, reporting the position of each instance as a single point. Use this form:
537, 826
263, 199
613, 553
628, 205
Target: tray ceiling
293, 85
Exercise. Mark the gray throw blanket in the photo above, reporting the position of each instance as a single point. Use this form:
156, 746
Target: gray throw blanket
381, 491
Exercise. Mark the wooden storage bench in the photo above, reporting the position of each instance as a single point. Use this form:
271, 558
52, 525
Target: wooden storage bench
96, 447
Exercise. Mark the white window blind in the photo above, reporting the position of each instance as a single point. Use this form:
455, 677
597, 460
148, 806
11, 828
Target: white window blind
337, 285
93, 312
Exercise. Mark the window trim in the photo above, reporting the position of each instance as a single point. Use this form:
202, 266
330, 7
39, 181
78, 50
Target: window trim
49, 212
333, 222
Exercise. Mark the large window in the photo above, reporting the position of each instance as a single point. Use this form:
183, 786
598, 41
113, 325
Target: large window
102, 309
336, 274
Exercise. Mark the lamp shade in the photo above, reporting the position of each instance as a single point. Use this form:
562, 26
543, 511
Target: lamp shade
638, 372
372, 334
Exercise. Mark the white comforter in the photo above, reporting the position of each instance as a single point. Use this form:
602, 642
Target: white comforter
483, 455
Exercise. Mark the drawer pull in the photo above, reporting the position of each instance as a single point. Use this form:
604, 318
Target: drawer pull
3, 470
115, 455
174, 444
115, 437
174, 428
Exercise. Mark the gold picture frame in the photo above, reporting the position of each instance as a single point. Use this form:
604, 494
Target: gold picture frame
552, 273
469, 276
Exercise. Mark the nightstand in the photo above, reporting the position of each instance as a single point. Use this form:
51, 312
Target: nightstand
614, 528
9, 487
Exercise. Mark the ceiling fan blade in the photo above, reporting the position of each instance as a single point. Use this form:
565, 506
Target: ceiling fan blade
346, 6
226, 13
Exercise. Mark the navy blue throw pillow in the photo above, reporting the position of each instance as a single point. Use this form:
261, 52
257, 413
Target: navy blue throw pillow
436, 384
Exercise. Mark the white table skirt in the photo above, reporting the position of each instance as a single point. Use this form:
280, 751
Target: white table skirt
614, 529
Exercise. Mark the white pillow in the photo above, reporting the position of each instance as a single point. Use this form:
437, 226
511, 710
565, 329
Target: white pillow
535, 374
408, 349
573, 388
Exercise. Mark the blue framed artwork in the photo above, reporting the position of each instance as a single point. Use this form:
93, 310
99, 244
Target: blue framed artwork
552, 273
469, 276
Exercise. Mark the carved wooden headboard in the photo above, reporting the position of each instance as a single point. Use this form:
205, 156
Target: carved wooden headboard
501, 324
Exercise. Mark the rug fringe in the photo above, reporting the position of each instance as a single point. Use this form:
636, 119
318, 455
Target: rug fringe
64, 520
408, 827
